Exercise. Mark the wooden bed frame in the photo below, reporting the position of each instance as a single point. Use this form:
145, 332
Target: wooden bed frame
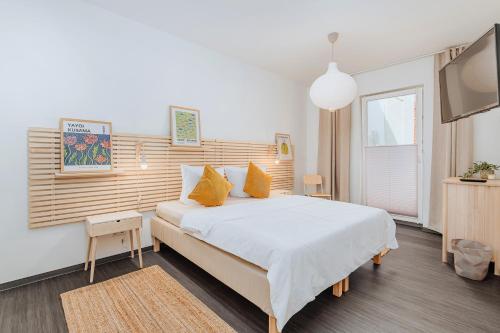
246, 277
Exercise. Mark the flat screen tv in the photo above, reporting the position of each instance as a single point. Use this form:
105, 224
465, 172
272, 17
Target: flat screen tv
469, 84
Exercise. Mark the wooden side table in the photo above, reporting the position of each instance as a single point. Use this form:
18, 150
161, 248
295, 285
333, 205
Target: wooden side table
106, 224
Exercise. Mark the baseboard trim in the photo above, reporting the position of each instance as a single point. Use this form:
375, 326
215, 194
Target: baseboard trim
430, 231
65, 270
417, 226
408, 224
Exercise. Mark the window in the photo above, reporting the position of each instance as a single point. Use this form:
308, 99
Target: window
391, 151
392, 121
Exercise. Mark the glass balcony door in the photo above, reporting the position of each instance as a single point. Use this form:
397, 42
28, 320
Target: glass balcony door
392, 152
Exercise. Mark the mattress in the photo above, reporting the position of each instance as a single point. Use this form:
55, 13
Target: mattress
173, 211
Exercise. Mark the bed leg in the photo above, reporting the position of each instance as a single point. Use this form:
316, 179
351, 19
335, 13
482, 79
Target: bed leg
273, 328
156, 244
377, 260
345, 284
337, 289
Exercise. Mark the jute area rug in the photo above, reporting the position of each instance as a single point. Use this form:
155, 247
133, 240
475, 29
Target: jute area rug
148, 300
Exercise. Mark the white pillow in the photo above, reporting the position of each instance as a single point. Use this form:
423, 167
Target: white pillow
190, 177
238, 176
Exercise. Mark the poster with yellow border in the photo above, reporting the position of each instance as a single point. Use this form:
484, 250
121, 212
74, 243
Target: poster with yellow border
284, 147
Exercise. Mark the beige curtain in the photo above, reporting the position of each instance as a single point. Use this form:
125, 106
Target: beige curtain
334, 151
452, 144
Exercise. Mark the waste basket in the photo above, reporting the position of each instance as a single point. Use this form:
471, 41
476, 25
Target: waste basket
472, 258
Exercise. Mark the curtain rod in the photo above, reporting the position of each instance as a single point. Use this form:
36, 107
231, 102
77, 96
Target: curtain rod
409, 60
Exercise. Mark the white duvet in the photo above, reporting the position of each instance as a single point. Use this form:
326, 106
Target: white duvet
306, 244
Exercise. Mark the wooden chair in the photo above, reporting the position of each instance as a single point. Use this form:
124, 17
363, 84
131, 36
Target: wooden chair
315, 180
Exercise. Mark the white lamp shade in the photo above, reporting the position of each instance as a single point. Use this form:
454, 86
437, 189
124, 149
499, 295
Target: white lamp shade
333, 90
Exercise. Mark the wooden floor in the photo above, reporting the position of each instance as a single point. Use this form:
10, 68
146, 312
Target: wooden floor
411, 292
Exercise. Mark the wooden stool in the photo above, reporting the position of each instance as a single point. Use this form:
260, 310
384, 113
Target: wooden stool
107, 224
315, 180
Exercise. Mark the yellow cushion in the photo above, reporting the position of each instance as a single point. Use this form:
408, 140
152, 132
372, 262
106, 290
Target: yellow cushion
212, 189
258, 183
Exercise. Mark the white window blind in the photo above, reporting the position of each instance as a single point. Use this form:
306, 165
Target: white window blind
391, 178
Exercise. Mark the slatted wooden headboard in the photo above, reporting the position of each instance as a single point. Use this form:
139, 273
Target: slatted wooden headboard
56, 198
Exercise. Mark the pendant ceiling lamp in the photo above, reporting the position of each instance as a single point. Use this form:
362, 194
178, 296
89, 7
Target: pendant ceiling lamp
334, 89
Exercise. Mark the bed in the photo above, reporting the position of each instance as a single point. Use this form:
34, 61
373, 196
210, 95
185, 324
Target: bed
279, 253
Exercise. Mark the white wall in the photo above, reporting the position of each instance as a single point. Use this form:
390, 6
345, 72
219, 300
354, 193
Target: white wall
71, 59
487, 137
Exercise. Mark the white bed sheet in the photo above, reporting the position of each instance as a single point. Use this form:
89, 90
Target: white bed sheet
306, 244
173, 211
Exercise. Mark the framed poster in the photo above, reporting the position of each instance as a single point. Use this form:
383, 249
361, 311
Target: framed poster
284, 147
185, 126
85, 146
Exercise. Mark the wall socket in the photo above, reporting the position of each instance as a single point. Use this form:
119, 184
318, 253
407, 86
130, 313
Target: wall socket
121, 236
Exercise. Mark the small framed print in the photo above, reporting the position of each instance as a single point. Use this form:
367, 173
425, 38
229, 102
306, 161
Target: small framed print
85, 146
284, 147
185, 126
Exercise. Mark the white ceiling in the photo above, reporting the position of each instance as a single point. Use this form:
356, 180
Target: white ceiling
288, 37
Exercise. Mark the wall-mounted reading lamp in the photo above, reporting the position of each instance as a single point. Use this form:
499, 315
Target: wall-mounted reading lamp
140, 156
270, 149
